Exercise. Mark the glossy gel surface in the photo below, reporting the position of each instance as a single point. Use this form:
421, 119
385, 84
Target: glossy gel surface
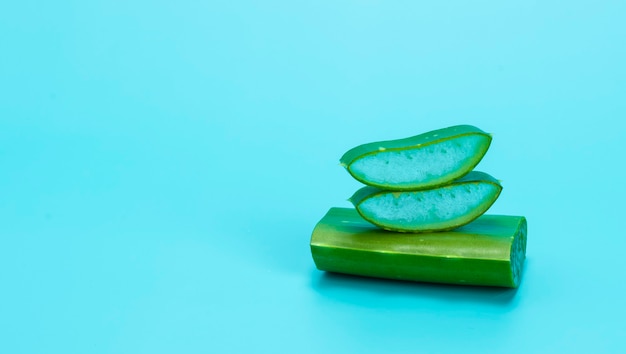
436, 209
418, 162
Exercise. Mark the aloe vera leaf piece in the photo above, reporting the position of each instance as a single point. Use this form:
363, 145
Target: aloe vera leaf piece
422, 161
489, 251
436, 209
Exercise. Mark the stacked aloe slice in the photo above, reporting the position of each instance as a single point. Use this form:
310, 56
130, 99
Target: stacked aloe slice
424, 190
423, 183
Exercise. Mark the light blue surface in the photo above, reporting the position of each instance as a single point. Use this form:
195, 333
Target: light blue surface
164, 163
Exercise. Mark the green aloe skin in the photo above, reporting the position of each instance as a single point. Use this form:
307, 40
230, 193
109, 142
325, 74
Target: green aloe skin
419, 162
489, 251
442, 208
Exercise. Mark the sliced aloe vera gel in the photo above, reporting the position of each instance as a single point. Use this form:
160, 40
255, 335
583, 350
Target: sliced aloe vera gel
488, 251
423, 161
437, 209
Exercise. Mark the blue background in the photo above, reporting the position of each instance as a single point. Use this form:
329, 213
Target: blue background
163, 164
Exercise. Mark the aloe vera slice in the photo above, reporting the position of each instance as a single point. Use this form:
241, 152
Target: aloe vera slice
436, 209
422, 161
489, 251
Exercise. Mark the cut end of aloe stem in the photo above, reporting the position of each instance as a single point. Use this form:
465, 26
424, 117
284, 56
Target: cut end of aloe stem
436, 209
518, 253
489, 251
421, 161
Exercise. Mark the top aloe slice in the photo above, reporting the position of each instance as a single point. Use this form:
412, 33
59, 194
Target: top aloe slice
422, 161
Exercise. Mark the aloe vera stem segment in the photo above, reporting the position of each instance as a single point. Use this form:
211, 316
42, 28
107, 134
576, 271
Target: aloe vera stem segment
489, 251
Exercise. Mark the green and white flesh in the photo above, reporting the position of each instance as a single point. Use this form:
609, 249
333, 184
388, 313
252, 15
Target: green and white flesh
419, 162
436, 209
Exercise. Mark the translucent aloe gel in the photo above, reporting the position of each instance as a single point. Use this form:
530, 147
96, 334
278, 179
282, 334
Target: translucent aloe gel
441, 208
422, 161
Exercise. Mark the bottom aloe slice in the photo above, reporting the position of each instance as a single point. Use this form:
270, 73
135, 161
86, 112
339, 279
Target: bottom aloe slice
488, 251
435, 209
